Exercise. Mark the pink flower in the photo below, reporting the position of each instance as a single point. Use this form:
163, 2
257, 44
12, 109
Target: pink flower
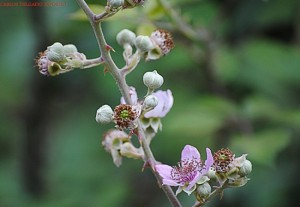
165, 103
189, 170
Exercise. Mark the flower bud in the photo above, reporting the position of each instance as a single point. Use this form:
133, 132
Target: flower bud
212, 173
150, 102
104, 114
203, 190
246, 168
153, 80
114, 4
56, 52
126, 36
144, 43
69, 49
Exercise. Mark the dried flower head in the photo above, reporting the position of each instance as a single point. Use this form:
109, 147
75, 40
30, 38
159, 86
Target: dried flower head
222, 160
163, 39
125, 116
43, 63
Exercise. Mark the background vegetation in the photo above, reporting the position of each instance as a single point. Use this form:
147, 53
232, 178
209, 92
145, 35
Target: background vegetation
239, 88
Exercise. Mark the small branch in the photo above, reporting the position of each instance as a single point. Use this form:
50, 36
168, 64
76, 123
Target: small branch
124, 89
218, 190
92, 62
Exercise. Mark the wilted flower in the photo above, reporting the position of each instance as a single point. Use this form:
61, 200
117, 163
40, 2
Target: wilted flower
223, 159
165, 103
112, 143
58, 59
164, 44
189, 171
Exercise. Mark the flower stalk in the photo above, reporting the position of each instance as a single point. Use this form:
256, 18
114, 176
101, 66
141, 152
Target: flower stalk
149, 159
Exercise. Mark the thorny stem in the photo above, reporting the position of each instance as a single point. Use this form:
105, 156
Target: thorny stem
124, 89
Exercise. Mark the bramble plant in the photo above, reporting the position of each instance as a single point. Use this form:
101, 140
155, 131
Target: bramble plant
141, 118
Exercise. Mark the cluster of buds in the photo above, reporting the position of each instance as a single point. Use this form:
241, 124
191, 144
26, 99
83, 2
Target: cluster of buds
149, 110
152, 47
192, 175
119, 145
59, 59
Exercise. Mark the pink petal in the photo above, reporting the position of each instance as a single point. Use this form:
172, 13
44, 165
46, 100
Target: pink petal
165, 172
209, 160
194, 181
165, 103
133, 96
190, 152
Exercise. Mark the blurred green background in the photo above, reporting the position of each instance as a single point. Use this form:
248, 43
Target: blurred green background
239, 89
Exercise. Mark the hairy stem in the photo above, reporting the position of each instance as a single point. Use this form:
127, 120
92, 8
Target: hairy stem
92, 62
124, 89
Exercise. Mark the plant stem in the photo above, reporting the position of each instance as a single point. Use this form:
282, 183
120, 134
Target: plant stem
215, 192
92, 62
124, 89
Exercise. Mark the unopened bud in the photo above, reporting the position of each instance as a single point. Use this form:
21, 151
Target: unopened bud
104, 114
56, 52
150, 102
70, 49
153, 80
211, 173
144, 43
115, 3
246, 168
203, 190
126, 36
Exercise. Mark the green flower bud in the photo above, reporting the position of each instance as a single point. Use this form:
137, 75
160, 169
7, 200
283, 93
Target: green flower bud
211, 173
246, 168
144, 43
153, 80
104, 114
150, 102
126, 36
114, 4
56, 52
69, 49
203, 190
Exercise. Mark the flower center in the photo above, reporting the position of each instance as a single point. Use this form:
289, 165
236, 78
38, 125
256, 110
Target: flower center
124, 114
222, 160
186, 170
